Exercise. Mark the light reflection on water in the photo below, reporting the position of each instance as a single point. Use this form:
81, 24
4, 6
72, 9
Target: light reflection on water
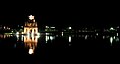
31, 42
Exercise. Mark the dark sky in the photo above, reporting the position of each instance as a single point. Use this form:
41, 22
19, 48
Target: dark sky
61, 14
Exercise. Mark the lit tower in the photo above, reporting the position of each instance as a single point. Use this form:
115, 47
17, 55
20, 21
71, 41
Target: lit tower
31, 26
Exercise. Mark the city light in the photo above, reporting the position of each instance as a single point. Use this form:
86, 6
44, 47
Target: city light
52, 27
46, 27
62, 33
51, 38
103, 37
69, 38
117, 34
97, 34
17, 33
111, 40
70, 28
112, 28
86, 37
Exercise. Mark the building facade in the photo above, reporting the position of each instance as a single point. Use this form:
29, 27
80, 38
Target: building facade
31, 26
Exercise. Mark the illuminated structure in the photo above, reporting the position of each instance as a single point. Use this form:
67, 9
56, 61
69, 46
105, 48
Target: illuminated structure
30, 43
31, 26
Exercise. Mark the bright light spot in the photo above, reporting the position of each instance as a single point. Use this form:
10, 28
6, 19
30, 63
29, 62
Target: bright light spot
52, 27
32, 34
38, 34
97, 34
118, 27
22, 37
111, 40
56, 35
31, 17
69, 38
46, 38
47, 33
86, 37
30, 51
17, 36
46, 27
9, 28
11, 31
28, 35
17, 33
111, 28
103, 37
22, 33
114, 37
4, 27
22, 26
70, 28
117, 34
51, 38
62, 33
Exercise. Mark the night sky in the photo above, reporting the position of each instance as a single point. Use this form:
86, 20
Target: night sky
61, 14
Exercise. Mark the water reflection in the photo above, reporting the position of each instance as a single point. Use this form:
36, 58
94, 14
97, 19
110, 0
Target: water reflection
117, 34
30, 43
49, 37
116, 39
86, 37
69, 38
111, 40
5, 36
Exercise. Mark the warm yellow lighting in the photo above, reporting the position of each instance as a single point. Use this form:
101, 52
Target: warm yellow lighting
31, 43
31, 17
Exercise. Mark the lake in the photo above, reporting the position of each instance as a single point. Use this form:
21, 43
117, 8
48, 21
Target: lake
57, 48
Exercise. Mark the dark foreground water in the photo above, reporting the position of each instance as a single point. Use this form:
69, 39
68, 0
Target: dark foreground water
58, 49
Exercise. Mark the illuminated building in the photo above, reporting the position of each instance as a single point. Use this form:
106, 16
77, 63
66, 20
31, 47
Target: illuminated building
31, 26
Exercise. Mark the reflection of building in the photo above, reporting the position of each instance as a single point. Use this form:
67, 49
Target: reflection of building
31, 26
31, 43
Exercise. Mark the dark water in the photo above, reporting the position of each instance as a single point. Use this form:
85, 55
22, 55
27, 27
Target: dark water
54, 48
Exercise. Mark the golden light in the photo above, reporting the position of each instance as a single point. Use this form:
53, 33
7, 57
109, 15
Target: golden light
31, 17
